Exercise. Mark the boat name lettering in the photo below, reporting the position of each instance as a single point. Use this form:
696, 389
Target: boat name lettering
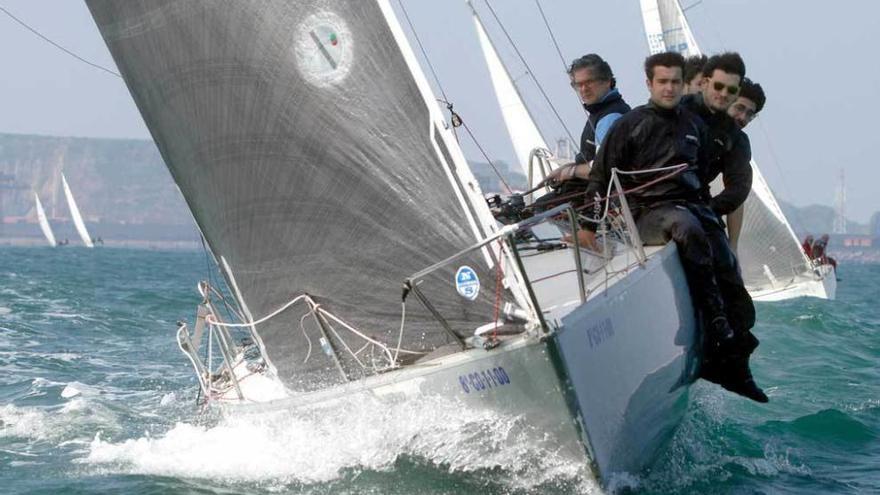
483, 380
599, 333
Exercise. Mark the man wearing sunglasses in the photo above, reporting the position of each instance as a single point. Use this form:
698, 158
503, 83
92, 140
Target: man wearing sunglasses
729, 155
730, 150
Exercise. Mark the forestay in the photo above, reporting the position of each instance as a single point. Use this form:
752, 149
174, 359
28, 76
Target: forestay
315, 161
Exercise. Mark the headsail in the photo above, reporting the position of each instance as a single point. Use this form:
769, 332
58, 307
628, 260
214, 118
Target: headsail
76, 215
521, 126
768, 249
44, 222
315, 160
667, 28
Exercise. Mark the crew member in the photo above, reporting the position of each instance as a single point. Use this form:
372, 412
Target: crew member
591, 77
693, 74
661, 134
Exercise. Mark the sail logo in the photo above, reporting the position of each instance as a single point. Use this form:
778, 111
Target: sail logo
467, 283
323, 48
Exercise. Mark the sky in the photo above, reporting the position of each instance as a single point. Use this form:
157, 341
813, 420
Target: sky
815, 62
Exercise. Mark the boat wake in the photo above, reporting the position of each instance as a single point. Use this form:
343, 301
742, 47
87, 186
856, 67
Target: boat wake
356, 437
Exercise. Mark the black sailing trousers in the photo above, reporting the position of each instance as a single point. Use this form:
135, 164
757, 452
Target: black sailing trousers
711, 268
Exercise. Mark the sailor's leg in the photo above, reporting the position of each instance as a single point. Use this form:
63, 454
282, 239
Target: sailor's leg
731, 369
663, 223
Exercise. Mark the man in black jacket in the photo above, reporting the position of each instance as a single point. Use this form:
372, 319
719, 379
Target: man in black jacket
658, 135
730, 150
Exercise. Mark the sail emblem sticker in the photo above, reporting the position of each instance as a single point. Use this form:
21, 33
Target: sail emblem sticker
467, 283
323, 47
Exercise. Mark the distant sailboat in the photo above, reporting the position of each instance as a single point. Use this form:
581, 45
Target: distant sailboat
75, 214
774, 266
44, 221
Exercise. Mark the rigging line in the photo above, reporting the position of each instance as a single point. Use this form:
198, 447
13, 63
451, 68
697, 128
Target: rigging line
422, 49
774, 158
552, 36
486, 156
445, 100
56, 45
530, 72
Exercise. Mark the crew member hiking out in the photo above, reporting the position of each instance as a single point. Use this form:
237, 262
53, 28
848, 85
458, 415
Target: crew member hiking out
591, 77
663, 134
730, 151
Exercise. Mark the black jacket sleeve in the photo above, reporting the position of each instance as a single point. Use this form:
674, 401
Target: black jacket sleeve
611, 154
737, 177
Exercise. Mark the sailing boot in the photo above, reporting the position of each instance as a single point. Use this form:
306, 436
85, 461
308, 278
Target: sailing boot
739, 380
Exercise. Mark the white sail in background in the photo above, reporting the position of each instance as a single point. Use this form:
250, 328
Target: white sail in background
75, 214
521, 127
44, 222
769, 251
667, 29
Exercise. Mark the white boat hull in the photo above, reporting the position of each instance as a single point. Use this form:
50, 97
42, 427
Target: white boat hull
607, 387
822, 284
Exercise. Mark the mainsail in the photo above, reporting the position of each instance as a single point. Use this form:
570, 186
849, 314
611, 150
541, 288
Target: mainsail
76, 215
315, 160
521, 126
768, 249
44, 221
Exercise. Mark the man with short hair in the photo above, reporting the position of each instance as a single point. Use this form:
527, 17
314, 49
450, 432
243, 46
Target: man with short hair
729, 154
661, 134
730, 151
748, 104
693, 74
592, 79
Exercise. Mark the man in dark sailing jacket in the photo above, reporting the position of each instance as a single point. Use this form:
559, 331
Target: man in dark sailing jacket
730, 150
654, 136
592, 79
729, 154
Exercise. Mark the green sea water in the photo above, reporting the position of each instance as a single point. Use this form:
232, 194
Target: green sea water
96, 398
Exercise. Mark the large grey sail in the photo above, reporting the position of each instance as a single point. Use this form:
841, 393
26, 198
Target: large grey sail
309, 158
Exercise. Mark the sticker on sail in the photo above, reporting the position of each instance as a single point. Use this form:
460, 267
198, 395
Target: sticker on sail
323, 47
467, 283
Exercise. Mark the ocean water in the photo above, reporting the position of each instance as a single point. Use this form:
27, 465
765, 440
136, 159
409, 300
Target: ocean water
96, 398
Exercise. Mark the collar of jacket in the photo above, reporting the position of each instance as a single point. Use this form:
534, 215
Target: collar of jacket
664, 112
610, 97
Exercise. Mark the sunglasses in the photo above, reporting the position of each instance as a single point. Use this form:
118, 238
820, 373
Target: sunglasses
731, 90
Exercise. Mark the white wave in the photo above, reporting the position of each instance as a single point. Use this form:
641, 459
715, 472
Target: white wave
4, 310
320, 445
26, 422
70, 392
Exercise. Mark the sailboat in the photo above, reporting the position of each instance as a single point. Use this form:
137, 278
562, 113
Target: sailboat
360, 255
76, 215
44, 221
774, 266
